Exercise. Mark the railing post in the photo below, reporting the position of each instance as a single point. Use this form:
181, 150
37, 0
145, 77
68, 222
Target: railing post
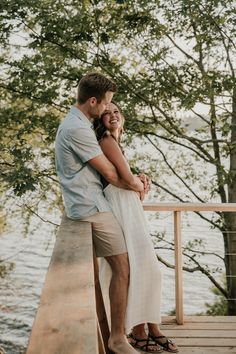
178, 268
103, 327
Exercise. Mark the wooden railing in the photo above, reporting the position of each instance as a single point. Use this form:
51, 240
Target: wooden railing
66, 320
71, 316
177, 209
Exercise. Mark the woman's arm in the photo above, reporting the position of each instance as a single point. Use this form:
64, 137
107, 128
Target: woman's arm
113, 152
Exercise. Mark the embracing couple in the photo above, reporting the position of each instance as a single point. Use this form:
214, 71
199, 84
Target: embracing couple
99, 187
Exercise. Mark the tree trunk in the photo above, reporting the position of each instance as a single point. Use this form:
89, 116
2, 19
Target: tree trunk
230, 237
230, 260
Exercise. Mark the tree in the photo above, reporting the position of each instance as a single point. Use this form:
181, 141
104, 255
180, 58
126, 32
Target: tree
169, 58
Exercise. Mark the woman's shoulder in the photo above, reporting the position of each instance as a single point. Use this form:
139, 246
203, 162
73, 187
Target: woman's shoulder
108, 138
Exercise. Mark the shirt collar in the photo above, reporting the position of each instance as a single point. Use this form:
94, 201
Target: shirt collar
79, 114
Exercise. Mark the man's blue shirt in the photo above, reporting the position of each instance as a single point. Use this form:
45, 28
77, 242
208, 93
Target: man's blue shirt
75, 145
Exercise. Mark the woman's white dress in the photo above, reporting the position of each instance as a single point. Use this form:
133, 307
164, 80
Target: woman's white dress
144, 293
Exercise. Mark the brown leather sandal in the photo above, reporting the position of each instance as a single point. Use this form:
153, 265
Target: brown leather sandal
145, 344
165, 345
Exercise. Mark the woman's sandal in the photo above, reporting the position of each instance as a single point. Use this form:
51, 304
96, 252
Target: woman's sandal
148, 342
165, 345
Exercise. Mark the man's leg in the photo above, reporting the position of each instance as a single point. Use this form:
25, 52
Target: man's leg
109, 243
118, 300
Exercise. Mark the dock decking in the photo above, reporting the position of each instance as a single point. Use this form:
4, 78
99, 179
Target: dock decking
202, 334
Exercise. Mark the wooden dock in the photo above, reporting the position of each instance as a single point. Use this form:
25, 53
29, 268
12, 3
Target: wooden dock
202, 334
71, 317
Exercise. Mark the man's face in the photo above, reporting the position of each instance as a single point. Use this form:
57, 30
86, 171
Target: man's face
99, 108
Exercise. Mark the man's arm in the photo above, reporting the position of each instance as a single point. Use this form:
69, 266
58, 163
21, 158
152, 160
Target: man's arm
108, 171
85, 145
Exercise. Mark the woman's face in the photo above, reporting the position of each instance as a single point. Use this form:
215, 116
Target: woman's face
112, 118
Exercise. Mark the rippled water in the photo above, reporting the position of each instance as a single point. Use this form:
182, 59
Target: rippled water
20, 290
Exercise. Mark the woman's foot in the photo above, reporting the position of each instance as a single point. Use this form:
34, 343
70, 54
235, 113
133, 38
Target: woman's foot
140, 340
156, 335
166, 343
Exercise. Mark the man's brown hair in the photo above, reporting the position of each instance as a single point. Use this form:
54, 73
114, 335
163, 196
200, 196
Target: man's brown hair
94, 85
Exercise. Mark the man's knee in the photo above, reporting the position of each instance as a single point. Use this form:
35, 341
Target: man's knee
119, 264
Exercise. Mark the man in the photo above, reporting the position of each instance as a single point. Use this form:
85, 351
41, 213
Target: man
80, 162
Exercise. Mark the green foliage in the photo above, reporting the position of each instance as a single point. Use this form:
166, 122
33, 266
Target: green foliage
219, 307
5, 268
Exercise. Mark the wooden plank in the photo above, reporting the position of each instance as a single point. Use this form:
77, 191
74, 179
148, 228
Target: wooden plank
207, 350
202, 350
200, 333
101, 312
219, 319
178, 269
168, 320
230, 207
66, 318
199, 325
206, 342
101, 348
200, 319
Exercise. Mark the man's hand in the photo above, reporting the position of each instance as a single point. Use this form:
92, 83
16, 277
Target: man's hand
146, 182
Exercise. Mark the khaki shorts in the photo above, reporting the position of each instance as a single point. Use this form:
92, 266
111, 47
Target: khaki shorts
108, 238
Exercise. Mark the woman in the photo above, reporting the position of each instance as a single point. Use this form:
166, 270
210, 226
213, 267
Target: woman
145, 279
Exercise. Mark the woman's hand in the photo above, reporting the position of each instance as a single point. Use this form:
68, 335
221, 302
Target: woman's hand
141, 195
146, 182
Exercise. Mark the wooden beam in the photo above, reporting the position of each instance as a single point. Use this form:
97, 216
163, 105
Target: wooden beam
66, 318
101, 348
207, 350
178, 268
206, 326
101, 311
169, 320
230, 207
207, 342
201, 333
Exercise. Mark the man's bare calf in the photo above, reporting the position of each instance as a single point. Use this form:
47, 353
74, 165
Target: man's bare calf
118, 293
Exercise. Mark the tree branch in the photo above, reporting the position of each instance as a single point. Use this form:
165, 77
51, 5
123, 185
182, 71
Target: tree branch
174, 172
40, 217
191, 270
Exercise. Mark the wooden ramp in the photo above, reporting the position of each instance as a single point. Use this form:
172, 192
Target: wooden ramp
202, 334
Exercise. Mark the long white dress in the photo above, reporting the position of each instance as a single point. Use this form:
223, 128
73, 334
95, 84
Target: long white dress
144, 294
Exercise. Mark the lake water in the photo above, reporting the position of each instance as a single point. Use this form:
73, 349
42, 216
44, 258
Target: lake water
20, 290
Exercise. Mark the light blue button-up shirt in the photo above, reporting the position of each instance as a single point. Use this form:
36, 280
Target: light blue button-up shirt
75, 145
